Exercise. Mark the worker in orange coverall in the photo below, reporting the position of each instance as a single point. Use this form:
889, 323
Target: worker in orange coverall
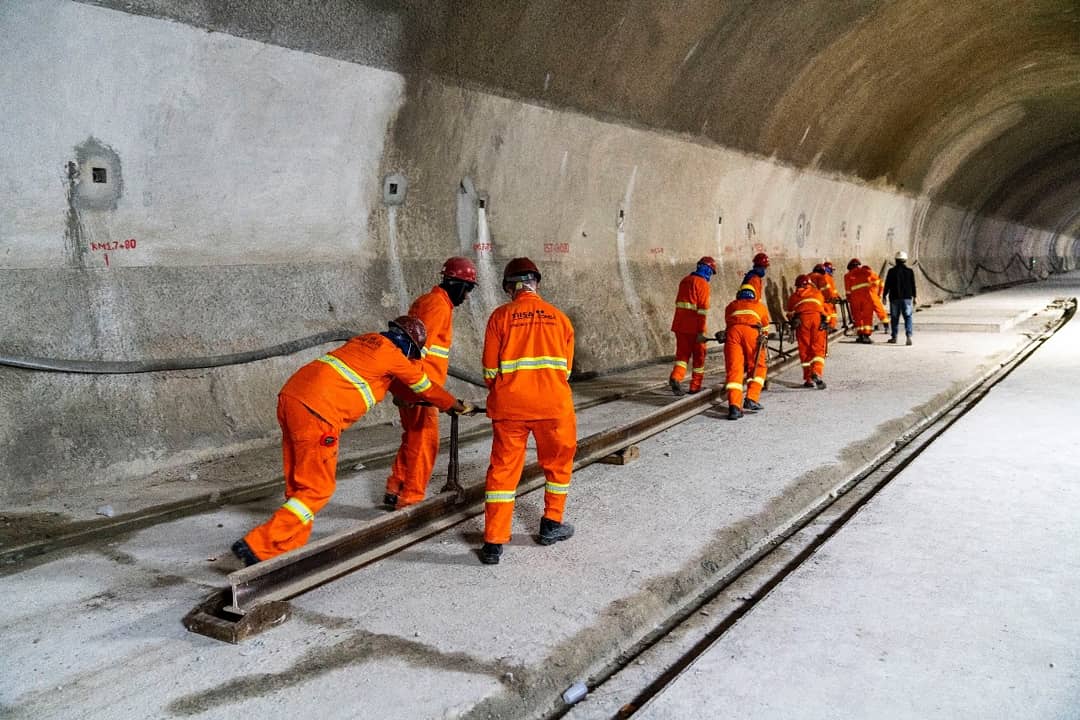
745, 352
877, 284
806, 313
528, 355
319, 401
822, 280
860, 291
755, 276
691, 309
411, 471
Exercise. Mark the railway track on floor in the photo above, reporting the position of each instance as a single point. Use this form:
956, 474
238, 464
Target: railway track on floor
256, 596
746, 584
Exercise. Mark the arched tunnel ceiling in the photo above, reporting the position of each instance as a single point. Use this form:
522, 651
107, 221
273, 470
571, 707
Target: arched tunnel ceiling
976, 104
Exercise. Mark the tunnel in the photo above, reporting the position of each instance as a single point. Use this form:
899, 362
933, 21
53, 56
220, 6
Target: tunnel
200, 197
200, 180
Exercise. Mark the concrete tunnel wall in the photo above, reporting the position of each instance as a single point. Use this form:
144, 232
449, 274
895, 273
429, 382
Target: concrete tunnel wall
244, 205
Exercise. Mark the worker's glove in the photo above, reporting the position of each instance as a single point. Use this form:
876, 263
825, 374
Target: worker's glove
702, 337
824, 325
795, 322
720, 336
464, 407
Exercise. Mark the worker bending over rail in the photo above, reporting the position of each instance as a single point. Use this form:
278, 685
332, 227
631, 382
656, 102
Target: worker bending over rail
859, 286
744, 352
528, 355
411, 471
319, 401
806, 313
821, 277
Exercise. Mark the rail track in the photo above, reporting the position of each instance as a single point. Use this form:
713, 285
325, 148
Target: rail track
674, 645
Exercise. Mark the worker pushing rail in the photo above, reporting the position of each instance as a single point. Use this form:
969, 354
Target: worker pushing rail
688, 324
806, 314
527, 358
411, 470
747, 321
319, 401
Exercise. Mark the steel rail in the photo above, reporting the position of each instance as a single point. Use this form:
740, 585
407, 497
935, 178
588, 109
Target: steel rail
322, 560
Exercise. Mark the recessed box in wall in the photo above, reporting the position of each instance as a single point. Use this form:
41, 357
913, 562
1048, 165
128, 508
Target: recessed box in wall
395, 187
99, 180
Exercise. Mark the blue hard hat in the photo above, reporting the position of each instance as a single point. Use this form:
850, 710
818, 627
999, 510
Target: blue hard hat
745, 294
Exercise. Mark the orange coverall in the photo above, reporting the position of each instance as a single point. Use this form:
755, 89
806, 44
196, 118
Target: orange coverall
528, 355
746, 320
411, 471
824, 283
691, 308
319, 401
808, 304
879, 307
860, 291
753, 281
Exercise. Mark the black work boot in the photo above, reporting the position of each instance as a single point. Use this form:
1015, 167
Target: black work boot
390, 500
752, 405
552, 532
243, 551
733, 413
818, 382
490, 553
676, 389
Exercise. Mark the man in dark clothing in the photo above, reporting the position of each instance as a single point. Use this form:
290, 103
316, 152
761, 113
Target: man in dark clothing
899, 288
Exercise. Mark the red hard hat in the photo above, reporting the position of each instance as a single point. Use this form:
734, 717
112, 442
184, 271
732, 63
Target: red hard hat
802, 280
761, 260
459, 268
520, 267
706, 260
853, 263
413, 327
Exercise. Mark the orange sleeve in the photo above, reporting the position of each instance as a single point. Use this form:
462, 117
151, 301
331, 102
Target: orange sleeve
411, 373
492, 346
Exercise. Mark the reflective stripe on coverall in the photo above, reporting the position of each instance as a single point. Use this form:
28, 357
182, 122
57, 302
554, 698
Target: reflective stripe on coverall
528, 354
691, 309
859, 296
745, 320
411, 471
808, 304
319, 401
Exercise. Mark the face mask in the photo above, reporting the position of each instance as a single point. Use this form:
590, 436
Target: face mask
457, 290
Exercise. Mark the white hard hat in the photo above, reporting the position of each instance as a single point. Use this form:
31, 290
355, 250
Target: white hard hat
901, 255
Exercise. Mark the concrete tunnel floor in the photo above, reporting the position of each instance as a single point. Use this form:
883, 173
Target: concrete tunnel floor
94, 631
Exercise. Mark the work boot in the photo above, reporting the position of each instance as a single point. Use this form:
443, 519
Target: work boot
733, 413
552, 532
868, 340
908, 340
752, 405
818, 382
390, 500
676, 389
887, 331
490, 553
808, 384
892, 340
243, 551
